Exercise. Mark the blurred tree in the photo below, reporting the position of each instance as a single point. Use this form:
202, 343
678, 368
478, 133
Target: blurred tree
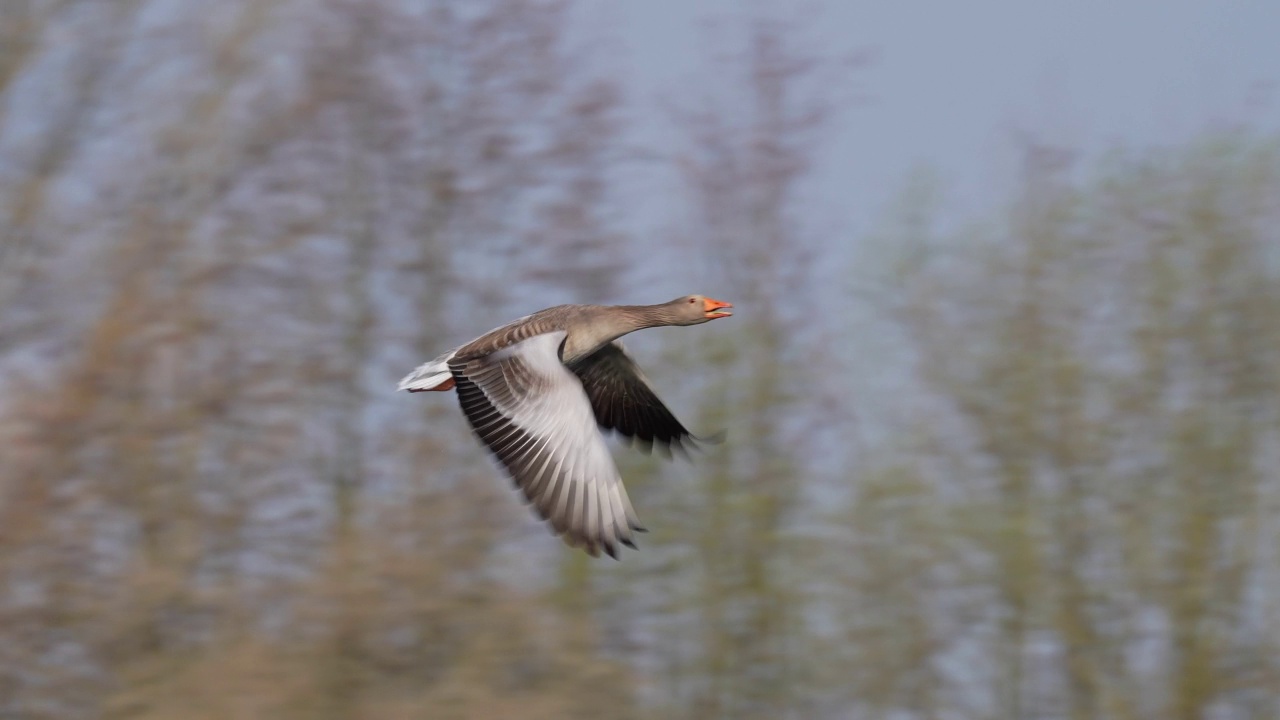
731, 616
225, 230
1106, 405
281, 207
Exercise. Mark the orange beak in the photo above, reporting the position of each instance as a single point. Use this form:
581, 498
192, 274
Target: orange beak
710, 307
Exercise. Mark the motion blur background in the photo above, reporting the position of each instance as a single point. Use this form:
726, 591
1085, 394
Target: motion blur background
1002, 390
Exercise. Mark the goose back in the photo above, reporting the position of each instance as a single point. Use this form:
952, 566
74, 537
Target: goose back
587, 328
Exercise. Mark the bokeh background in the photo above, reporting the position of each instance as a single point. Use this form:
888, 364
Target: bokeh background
1002, 390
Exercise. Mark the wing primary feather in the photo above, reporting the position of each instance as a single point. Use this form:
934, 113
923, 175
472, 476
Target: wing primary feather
541, 478
624, 401
542, 421
593, 513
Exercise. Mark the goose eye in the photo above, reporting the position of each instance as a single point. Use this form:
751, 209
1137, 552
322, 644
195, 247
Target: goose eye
693, 299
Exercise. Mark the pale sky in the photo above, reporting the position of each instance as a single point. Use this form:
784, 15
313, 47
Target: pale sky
952, 81
950, 86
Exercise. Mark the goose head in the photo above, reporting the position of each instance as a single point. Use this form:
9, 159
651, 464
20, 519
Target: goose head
695, 309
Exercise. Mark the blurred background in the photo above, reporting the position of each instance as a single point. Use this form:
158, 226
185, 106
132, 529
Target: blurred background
1002, 389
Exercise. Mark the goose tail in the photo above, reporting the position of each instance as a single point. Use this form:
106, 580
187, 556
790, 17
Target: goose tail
434, 375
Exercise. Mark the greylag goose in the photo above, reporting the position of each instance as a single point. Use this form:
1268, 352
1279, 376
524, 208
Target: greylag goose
537, 393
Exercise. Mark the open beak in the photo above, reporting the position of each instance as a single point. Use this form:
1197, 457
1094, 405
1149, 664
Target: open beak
711, 308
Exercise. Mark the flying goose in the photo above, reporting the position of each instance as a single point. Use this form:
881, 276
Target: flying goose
537, 393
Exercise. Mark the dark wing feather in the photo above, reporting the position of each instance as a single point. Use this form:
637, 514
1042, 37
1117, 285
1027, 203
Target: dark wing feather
625, 402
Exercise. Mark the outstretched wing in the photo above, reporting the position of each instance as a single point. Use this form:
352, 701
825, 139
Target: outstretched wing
533, 415
624, 401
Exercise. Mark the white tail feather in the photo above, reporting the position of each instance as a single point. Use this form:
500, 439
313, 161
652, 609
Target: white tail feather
428, 375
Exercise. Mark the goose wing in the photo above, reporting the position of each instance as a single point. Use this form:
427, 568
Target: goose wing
532, 414
624, 401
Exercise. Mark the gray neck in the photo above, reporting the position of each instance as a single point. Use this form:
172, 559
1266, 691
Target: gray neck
610, 323
639, 317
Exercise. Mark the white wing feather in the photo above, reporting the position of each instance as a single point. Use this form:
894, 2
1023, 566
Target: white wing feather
539, 423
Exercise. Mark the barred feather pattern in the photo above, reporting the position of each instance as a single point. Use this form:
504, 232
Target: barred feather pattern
535, 417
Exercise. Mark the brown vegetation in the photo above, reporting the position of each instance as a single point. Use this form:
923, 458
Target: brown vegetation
225, 233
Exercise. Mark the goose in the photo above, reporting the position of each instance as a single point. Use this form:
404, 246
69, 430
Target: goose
537, 393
